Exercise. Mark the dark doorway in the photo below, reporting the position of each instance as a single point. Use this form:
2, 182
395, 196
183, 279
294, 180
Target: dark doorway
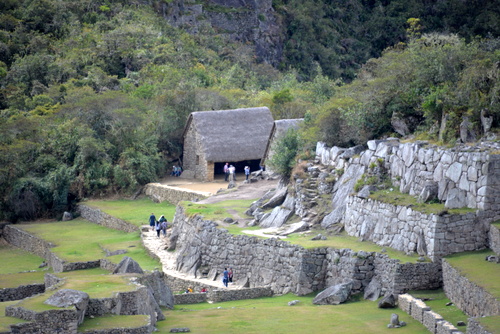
240, 165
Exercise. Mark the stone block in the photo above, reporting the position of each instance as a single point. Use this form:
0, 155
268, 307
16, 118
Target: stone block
418, 308
445, 327
405, 302
430, 320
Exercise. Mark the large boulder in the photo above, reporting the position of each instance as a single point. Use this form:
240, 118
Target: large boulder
277, 218
128, 266
294, 228
389, 301
373, 290
429, 192
69, 297
277, 199
334, 295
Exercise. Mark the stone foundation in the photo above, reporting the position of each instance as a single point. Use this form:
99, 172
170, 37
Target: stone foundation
470, 298
174, 195
21, 292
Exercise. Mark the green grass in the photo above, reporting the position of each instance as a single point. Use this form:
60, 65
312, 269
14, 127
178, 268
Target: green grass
136, 212
437, 302
15, 260
18, 279
473, 266
492, 324
219, 210
111, 321
395, 197
273, 315
5, 322
80, 240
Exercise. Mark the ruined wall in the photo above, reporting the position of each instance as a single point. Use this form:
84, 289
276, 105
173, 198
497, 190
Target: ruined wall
400, 227
222, 295
99, 217
50, 321
475, 327
21, 292
288, 268
470, 298
171, 194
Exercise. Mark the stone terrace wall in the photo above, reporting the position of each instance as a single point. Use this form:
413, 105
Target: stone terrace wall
96, 216
494, 238
51, 321
174, 195
465, 176
399, 227
222, 295
18, 237
475, 327
288, 268
470, 298
21, 292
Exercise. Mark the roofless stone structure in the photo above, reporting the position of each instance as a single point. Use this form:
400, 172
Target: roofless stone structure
220, 136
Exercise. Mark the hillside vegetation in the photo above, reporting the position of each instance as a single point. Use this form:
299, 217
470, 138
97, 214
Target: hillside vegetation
94, 95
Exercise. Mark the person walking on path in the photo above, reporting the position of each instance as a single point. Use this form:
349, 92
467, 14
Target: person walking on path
230, 275
247, 172
225, 277
163, 225
152, 221
158, 228
226, 171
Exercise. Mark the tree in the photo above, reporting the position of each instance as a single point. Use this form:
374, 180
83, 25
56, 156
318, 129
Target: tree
285, 150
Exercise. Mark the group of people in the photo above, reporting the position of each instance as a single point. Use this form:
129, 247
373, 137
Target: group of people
230, 172
160, 225
227, 276
176, 171
190, 290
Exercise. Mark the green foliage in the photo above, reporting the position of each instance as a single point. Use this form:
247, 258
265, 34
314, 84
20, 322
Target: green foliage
285, 150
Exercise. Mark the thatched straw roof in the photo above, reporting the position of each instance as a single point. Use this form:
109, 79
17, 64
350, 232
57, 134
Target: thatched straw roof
280, 127
232, 135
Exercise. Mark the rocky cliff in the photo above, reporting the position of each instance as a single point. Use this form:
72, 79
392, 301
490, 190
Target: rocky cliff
253, 21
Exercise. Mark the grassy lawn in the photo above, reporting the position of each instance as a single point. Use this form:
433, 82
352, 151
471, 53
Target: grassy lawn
395, 197
136, 212
113, 321
219, 210
473, 266
18, 279
437, 302
5, 322
80, 240
491, 324
273, 315
15, 260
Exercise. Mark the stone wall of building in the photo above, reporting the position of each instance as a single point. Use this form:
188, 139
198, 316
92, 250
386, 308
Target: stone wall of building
171, 194
284, 267
494, 238
194, 159
99, 217
469, 297
401, 227
21, 292
465, 176
50, 321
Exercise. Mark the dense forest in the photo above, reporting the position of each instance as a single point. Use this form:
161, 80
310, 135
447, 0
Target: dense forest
94, 94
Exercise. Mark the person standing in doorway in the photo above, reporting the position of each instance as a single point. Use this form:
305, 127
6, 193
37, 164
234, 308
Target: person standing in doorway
225, 277
226, 171
247, 172
232, 173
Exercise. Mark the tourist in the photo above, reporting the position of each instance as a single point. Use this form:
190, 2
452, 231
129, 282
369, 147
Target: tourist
152, 221
204, 290
179, 171
225, 277
190, 290
158, 228
226, 171
163, 225
230, 275
247, 172
174, 170
232, 173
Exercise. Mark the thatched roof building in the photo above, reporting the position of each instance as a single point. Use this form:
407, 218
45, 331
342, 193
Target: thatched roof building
280, 127
221, 136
